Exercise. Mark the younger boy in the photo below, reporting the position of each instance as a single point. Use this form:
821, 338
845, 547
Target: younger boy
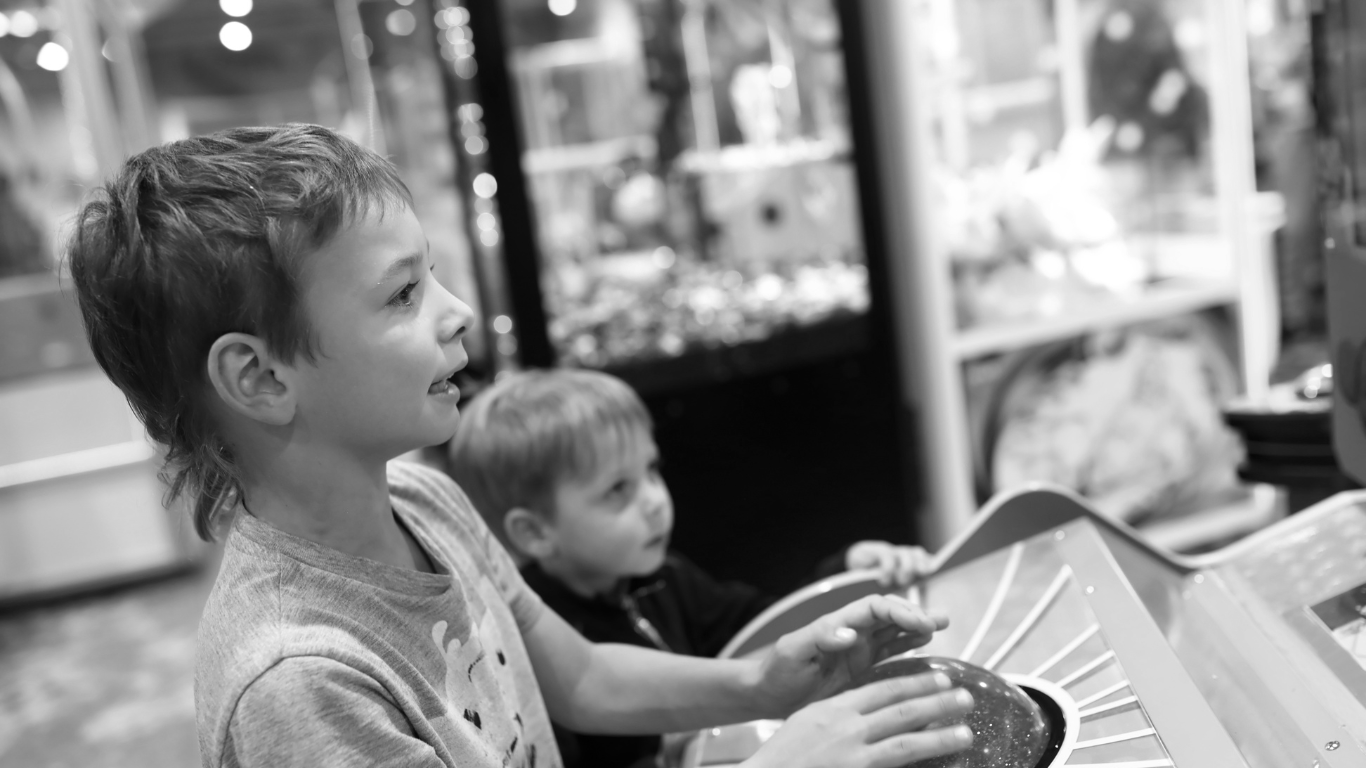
263, 298
562, 464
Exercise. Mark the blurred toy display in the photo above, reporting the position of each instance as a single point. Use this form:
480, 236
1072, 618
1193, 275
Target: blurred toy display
654, 304
690, 175
1042, 223
1032, 236
1130, 420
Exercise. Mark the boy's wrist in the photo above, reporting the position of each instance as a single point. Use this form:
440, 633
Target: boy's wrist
759, 703
765, 703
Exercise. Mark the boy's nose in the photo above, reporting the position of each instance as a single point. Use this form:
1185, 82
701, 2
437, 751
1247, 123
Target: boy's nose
455, 319
657, 497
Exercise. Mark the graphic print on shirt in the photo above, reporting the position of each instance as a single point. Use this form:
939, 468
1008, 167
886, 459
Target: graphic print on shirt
479, 688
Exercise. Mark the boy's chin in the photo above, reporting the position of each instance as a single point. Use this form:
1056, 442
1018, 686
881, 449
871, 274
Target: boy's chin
650, 562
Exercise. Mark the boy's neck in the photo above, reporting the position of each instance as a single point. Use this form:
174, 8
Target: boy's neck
590, 586
336, 501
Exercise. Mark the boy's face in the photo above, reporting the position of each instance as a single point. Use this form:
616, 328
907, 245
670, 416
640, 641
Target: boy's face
616, 521
389, 338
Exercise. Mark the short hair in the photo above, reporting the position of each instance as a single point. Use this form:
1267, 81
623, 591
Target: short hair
532, 430
201, 237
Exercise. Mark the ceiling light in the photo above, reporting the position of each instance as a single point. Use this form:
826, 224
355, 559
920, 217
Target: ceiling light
235, 36
236, 8
53, 57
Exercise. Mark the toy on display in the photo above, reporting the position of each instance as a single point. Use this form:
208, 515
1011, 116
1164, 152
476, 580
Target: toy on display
690, 172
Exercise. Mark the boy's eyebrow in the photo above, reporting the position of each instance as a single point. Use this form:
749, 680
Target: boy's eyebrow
400, 266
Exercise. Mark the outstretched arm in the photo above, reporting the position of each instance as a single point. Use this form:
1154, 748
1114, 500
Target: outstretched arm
608, 688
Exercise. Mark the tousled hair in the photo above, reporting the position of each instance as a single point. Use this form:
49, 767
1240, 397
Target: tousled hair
532, 430
202, 237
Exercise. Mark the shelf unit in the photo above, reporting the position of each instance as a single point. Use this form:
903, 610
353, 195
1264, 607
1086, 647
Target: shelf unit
1174, 297
915, 138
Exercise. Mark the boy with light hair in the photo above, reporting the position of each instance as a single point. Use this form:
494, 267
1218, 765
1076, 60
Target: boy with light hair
562, 465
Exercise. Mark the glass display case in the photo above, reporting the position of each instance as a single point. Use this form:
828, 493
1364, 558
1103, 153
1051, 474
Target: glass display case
1060, 169
690, 184
683, 193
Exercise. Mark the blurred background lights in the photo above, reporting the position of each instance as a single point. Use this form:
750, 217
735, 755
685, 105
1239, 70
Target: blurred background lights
401, 22
563, 7
23, 24
53, 57
487, 221
780, 76
4, 25
236, 8
362, 46
485, 185
502, 324
453, 17
235, 36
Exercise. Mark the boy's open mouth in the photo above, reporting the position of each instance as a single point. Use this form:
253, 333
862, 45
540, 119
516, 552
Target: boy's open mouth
443, 386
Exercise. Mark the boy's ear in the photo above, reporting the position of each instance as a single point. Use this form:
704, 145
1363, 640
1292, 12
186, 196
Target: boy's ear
248, 379
529, 532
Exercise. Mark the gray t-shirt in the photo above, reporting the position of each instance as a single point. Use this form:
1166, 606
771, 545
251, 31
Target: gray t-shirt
311, 657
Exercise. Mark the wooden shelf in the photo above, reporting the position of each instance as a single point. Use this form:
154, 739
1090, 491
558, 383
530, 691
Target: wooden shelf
1161, 300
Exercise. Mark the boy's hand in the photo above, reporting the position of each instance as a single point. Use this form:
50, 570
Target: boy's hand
896, 565
822, 658
876, 726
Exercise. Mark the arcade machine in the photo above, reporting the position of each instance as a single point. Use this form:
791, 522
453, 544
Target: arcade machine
1253, 656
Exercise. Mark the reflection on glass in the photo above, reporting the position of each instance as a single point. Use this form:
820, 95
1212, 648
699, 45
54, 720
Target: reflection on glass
690, 171
1074, 151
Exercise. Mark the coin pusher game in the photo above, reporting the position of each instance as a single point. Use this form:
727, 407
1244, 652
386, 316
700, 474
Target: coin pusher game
1251, 656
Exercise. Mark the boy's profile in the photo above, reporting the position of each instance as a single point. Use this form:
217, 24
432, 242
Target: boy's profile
263, 297
562, 464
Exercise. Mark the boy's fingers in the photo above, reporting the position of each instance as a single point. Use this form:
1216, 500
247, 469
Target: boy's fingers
922, 561
913, 747
888, 567
907, 566
879, 610
879, 695
895, 645
840, 630
915, 713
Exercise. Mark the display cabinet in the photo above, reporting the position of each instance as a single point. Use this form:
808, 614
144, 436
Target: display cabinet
683, 193
1053, 170
685, 204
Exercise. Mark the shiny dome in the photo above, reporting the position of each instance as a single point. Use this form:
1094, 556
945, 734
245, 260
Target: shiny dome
1009, 729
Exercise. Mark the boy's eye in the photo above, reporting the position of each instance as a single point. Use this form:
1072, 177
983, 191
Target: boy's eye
404, 297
